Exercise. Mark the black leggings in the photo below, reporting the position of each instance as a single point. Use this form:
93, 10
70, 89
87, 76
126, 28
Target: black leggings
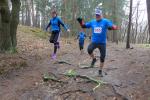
54, 39
101, 47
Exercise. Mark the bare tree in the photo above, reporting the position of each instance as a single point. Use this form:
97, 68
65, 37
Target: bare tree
14, 21
148, 12
137, 18
129, 25
5, 39
8, 24
115, 34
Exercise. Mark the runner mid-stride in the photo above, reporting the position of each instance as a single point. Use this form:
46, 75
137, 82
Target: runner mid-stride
81, 36
98, 38
55, 23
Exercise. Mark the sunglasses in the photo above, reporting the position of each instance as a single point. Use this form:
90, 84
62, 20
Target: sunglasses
98, 15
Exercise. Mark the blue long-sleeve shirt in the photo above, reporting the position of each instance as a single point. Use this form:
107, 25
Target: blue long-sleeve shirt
55, 24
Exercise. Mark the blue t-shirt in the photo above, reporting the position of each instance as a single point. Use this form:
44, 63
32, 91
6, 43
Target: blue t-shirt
99, 30
55, 24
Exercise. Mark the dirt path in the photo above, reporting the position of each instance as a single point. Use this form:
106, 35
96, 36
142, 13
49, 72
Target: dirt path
126, 73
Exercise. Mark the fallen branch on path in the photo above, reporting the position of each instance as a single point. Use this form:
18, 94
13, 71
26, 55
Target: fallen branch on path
47, 77
64, 62
72, 73
98, 82
73, 91
85, 66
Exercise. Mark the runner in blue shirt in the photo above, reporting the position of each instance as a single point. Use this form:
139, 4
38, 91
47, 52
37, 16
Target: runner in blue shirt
81, 36
99, 28
55, 23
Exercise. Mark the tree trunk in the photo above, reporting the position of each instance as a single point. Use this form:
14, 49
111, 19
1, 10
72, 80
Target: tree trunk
43, 23
73, 14
5, 39
37, 20
26, 12
115, 36
22, 20
36, 17
33, 18
63, 13
28, 17
148, 13
129, 26
22, 11
137, 18
14, 21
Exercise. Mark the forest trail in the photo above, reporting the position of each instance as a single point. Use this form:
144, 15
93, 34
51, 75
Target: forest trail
126, 73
